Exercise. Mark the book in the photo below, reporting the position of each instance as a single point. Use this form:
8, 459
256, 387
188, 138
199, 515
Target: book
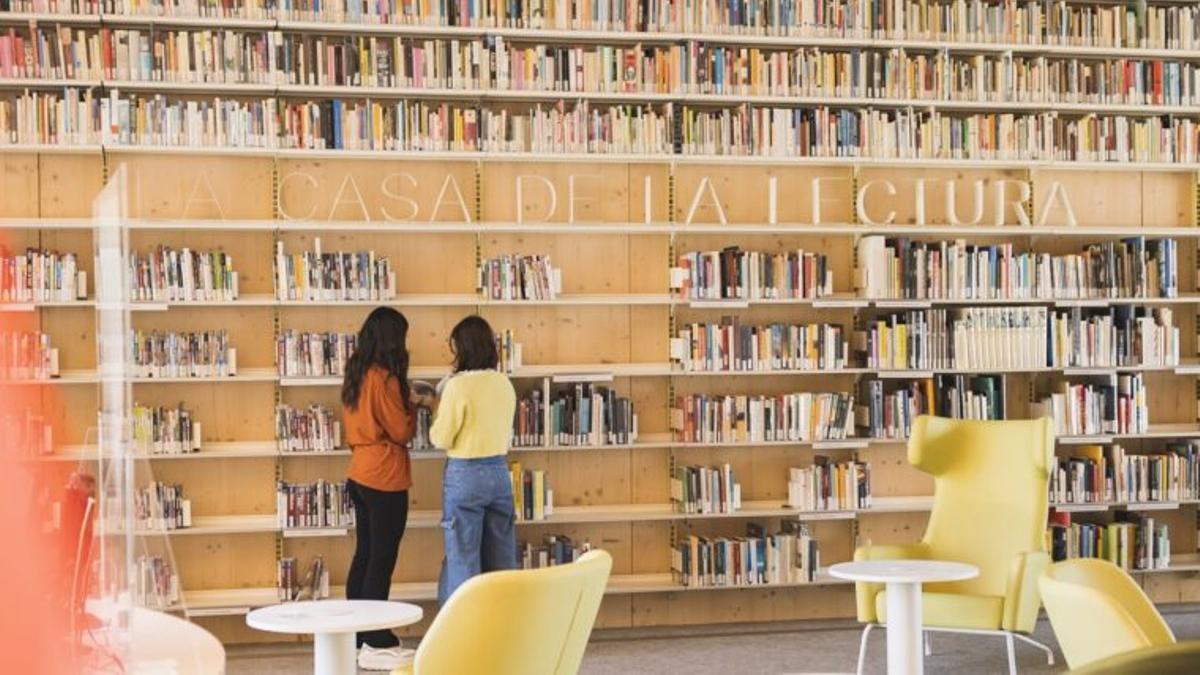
184, 275
554, 549
325, 276
182, 355
306, 354
1110, 405
804, 416
319, 504
519, 277
790, 556
40, 275
830, 486
731, 345
156, 583
315, 428
1131, 541
161, 506
27, 355
532, 497
702, 489
162, 430
733, 273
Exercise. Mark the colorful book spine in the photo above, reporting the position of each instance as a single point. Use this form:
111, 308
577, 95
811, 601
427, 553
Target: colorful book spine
184, 275
320, 504
314, 275
156, 583
182, 355
533, 499
735, 274
554, 549
313, 354
830, 486
160, 430
702, 489
509, 351
805, 417
891, 407
790, 556
27, 356
41, 275
1117, 405
161, 506
519, 277
315, 428
1132, 542
733, 346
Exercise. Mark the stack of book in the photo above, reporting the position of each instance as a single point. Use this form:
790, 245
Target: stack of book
160, 506
1119, 406
903, 268
312, 429
519, 277
509, 351
203, 354
27, 356
733, 346
156, 584
313, 505
532, 497
291, 587
159, 430
733, 273
40, 275
702, 489
830, 486
804, 416
972, 338
29, 431
1132, 542
169, 275
889, 412
790, 556
1118, 336
555, 549
313, 275
313, 354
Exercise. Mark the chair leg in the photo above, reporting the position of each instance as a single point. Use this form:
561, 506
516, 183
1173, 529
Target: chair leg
1012, 656
862, 648
1035, 643
928, 643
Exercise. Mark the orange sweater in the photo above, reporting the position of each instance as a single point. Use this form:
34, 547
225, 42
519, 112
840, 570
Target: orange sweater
378, 430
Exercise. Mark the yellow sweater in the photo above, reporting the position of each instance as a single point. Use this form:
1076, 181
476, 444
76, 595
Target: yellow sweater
475, 416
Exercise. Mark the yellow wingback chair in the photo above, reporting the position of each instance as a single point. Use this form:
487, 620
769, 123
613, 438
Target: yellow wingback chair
1098, 611
520, 622
989, 510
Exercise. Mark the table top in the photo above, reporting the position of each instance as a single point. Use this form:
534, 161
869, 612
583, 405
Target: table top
167, 644
904, 571
333, 616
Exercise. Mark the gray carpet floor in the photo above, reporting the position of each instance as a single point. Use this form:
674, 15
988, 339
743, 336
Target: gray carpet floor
810, 647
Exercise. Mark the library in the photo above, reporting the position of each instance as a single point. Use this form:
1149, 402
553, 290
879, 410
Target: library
600, 336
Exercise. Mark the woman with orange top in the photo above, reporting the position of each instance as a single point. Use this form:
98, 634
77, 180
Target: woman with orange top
378, 418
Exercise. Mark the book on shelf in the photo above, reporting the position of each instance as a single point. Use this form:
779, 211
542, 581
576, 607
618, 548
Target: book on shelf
188, 354
1118, 404
1094, 474
26, 355
29, 430
161, 506
40, 275
519, 277
827, 485
311, 354
1113, 337
969, 338
156, 583
790, 556
318, 504
703, 489
902, 268
509, 351
162, 430
1132, 542
736, 274
731, 345
314, 428
292, 587
890, 408
580, 414
532, 497
169, 275
804, 417
554, 549
326, 276
423, 420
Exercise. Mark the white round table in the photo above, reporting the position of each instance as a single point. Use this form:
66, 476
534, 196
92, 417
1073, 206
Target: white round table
904, 579
333, 624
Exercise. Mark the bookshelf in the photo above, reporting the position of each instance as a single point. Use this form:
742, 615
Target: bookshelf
615, 223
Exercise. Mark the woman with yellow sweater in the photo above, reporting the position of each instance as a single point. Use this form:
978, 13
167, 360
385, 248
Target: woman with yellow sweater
473, 424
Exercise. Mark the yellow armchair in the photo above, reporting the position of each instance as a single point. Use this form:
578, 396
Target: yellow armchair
989, 510
520, 622
1098, 611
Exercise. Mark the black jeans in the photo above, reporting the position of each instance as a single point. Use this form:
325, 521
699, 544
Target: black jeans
380, 518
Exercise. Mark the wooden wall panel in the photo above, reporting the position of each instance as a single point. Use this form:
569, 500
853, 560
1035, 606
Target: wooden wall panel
743, 194
376, 191
200, 188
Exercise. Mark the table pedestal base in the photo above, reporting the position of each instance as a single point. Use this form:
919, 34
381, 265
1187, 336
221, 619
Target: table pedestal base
334, 654
905, 655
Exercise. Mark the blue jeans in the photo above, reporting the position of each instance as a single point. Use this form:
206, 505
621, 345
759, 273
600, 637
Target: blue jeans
478, 521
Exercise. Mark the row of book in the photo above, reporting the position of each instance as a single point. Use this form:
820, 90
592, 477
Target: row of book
1120, 336
519, 277
317, 275
554, 549
28, 430
731, 345
703, 489
581, 415
532, 497
170, 275
155, 583
163, 430
804, 416
76, 117
827, 485
1093, 474
315, 428
509, 351
183, 354
790, 556
313, 505
1132, 542
1119, 405
308, 354
889, 411
27, 355
1167, 26
734, 273
161, 506
40, 275
1134, 267
292, 587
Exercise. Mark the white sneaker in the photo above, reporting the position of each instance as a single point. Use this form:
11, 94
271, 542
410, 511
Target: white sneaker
370, 658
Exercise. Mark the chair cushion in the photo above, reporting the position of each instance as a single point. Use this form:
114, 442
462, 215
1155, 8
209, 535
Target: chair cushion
953, 610
406, 669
